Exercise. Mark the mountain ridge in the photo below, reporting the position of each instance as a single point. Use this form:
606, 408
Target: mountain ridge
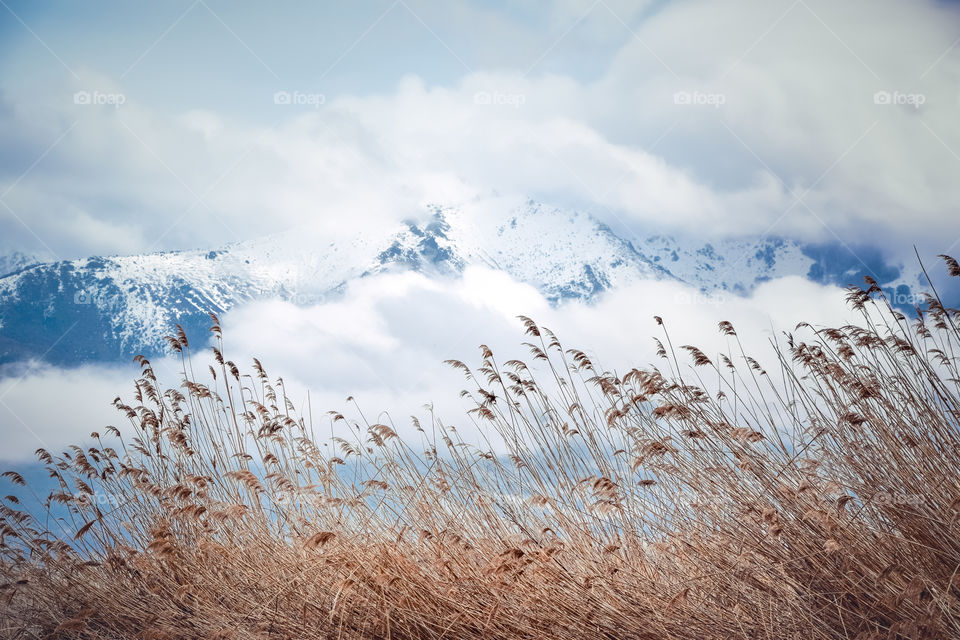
104, 309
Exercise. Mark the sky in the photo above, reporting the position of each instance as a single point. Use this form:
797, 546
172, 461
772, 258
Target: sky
131, 127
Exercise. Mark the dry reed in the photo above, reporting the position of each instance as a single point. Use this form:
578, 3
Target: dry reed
818, 501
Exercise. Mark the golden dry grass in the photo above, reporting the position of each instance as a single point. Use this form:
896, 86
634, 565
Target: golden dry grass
818, 501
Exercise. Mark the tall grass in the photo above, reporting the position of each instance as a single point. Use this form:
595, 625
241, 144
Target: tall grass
818, 499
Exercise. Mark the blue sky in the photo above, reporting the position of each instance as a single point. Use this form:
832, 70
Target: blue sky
717, 118
228, 56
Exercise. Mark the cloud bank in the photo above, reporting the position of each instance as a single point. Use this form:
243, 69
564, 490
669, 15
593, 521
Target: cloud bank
384, 341
812, 119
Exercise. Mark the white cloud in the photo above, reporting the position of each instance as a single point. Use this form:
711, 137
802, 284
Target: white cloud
50, 408
797, 81
385, 340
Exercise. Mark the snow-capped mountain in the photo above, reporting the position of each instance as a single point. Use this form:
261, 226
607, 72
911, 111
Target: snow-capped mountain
106, 309
11, 261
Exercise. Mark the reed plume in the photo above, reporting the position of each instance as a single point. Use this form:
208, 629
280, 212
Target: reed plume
817, 497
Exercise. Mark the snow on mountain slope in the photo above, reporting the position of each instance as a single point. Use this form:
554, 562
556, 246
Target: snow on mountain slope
728, 265
105, 309
564, 254
738, 265
11, 261
115, 307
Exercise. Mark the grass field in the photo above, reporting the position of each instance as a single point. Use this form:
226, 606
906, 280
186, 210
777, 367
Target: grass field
814, 497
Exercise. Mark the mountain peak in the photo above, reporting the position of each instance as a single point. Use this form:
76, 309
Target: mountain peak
98, 309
